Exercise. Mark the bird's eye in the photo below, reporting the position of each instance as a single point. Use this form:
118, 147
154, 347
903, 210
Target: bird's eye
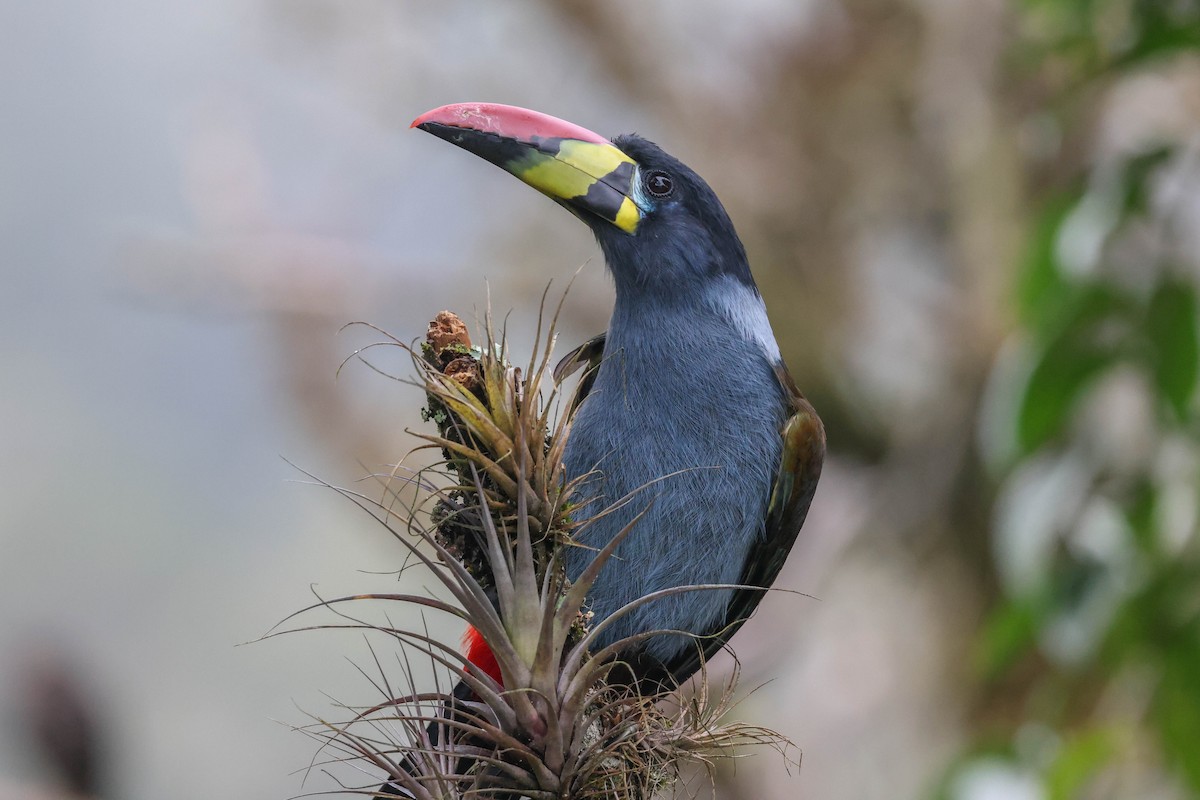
659, 184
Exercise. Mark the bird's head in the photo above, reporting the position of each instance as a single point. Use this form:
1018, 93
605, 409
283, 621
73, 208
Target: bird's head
658, 223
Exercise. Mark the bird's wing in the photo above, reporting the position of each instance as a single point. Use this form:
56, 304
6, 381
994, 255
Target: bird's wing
589, 355
796, 481
799, 469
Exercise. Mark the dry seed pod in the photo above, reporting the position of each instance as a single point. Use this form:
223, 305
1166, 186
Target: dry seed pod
465, 370
445, 330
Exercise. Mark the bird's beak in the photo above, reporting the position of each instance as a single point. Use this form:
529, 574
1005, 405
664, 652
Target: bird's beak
581, 170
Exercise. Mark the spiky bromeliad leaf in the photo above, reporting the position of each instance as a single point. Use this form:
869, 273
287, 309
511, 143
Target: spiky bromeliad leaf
496, 539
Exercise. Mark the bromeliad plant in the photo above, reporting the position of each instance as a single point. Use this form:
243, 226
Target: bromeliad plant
552, 726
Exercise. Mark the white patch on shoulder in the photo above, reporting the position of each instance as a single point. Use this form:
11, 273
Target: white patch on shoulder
742, 306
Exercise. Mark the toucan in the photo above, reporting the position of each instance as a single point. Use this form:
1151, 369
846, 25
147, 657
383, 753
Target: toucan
687, 412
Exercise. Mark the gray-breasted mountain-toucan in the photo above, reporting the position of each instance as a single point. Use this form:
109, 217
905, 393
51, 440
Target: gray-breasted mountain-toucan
688, 406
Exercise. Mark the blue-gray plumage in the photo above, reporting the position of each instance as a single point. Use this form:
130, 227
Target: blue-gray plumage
684, 415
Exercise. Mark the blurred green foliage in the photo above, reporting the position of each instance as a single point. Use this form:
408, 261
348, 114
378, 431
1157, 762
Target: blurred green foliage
1093, 648
1100, 36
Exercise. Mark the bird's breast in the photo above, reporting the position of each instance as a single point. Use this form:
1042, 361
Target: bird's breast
681, 426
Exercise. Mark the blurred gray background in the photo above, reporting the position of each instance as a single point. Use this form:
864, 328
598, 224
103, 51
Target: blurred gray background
196, 197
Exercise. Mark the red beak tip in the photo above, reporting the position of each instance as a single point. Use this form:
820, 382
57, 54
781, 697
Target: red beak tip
509, 121
422, 119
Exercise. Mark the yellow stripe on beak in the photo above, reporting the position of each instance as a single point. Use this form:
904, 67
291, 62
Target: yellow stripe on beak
586, 176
